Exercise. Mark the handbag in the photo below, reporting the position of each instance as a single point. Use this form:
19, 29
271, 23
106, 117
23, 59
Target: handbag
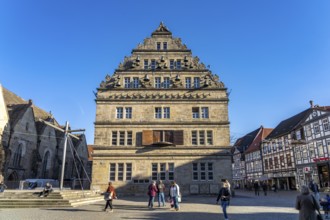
179, 198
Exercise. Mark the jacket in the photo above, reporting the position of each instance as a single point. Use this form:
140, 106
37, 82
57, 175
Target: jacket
307, 205
222, 196
152, 190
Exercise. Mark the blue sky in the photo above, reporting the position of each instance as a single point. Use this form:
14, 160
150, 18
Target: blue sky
273, 56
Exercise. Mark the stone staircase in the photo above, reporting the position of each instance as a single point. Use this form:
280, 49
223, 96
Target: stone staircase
30, 198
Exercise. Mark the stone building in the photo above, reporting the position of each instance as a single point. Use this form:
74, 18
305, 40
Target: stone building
162, 115
29, 148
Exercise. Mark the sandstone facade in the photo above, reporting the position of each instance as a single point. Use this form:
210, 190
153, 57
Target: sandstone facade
161, 115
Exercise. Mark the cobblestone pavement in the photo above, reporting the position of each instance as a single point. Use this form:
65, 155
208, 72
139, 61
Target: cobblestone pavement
244, 206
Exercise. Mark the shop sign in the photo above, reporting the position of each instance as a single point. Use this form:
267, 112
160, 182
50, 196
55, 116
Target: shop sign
321, 159
307, 169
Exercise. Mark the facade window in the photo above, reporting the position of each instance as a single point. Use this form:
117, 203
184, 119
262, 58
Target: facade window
288, 160
276, 162
280, 146
158, 82
201, 137
171, 171
153, 64
178, 64
205, 112
120, 171
266, 164
198, 137
125, 138
167, 82
210, 171
128, 171
188, 82
121, 138
165, 110
195, 171
112, 172
195, 112
129, 138
194, 138
119, 112
154, 172
146, 64
270, 163
114, 138
269, 148
209, 138
325, 123
274, 146
164, 45
196, 82
128, 111
162, 173
158, 171
158, 45
171, 64
311, 150
298, 135
282, 161
308, 130
136, 82
319, 146
27, 126
316, 128
127, 81
158, 112
202, 171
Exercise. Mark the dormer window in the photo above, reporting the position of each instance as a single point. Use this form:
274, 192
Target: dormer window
27, 126
158, 45
164, 45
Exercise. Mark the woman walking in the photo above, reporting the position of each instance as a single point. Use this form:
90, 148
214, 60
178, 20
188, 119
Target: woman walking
152, 191
109, 195
307, 205
224, 197
174, 193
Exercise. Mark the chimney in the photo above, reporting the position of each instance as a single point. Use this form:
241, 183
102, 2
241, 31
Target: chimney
30, 102
311, 103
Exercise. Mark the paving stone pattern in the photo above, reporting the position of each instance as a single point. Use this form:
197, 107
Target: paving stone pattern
244, 206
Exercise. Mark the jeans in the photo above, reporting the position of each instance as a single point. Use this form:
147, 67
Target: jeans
161, 198
224, 205
175, 201
151, 201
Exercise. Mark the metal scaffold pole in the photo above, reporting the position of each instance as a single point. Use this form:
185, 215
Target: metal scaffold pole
64, 153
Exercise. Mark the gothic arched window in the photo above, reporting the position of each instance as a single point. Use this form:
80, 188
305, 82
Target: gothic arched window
44, 172
18, 156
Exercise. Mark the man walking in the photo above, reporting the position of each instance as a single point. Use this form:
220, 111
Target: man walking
161, 190
256, 188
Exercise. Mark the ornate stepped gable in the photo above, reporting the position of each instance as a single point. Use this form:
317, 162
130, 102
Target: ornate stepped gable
134, 65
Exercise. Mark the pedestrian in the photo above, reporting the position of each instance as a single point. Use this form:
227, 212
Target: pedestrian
325, 203
2, 186
307, 205
256, 188
175, 195
224, 197
109, 195
315, 189
161, 190
274, 187
264, 188
152, 191
47, 189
